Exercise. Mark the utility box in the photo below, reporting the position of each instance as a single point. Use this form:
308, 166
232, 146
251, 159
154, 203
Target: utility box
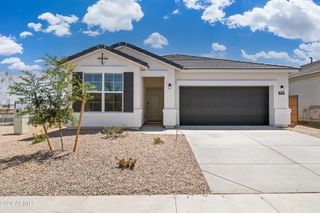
20, 123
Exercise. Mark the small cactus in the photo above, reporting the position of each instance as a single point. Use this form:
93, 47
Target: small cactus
157, 140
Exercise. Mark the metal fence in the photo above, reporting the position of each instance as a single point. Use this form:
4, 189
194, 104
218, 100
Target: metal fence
6, 114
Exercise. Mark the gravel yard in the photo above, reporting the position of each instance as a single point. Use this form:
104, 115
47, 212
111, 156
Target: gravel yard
168, 168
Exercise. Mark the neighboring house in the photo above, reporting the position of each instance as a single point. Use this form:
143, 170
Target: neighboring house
134, 86
306, 86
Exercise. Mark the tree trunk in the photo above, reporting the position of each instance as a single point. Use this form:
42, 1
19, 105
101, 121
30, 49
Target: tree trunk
79, 121
61, 139
47, 135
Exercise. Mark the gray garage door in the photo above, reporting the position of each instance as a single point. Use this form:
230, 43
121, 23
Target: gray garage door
224, 106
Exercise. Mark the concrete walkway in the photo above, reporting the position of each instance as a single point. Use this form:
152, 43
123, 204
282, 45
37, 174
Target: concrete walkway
266, 203
257, 160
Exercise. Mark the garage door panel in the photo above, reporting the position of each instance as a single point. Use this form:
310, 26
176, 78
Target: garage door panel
224, 105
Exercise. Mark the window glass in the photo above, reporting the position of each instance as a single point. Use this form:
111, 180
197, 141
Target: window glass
113, 102
94, 104
113, 82
95, 79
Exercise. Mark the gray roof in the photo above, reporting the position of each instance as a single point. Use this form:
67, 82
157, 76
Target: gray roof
197, 62
307, 69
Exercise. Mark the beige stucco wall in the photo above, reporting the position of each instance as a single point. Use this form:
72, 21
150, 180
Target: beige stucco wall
308, 91
89, 63
161, 74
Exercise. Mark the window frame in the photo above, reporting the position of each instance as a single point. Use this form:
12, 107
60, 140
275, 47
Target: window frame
103, 91
113, 92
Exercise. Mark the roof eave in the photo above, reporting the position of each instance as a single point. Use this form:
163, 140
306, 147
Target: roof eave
145, 52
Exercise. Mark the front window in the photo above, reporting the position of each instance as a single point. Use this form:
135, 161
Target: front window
108, 92
113, 88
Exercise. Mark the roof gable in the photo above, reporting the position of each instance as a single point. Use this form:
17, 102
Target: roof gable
114, 51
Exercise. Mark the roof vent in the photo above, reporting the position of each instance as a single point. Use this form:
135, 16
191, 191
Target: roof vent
311, 59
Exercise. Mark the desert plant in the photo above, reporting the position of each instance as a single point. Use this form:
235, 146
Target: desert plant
157, 140
31, 90
61, 97
38, 138
126, 163
82, 90
112, 132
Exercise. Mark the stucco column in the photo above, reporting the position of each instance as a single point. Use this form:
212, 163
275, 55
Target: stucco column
169, 111
281, 113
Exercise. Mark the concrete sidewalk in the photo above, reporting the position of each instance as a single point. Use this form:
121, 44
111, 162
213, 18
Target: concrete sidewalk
244, 203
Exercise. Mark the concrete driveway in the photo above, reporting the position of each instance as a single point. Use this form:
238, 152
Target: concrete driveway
263, 160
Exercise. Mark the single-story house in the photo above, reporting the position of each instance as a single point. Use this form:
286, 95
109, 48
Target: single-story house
305, 85
135, 86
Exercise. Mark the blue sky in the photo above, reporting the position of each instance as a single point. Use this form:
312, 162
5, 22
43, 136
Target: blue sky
274, 31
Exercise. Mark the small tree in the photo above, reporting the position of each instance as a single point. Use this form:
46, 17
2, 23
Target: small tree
83, 96
31, 91
48, 98
59, 81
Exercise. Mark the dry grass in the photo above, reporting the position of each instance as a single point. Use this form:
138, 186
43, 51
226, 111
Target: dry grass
169, 168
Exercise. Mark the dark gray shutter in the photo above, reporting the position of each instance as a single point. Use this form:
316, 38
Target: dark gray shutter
128, 92
77, 75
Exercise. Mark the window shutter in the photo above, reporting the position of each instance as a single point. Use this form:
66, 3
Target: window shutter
128, 92
76, 75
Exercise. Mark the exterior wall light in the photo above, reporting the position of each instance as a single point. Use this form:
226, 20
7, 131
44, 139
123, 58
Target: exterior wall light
169, 86
282, 91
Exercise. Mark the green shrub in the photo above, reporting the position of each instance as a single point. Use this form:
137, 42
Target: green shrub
126, 163
157, 140
38, 138
112, 132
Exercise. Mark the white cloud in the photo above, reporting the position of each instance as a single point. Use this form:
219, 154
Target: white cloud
299, 56
176, 12
92, 33
113, 15
16, 64
36, 27
194, 4
166, 17
39, 60
8, 46
156, 40
291, 19
218, 47
25, 34
213, 10
265, 55
58, 24
307, 50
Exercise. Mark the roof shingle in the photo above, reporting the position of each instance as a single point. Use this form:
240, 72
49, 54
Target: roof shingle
307, 69
197, 62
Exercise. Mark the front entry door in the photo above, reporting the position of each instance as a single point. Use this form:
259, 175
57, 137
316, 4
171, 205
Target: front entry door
154, 104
